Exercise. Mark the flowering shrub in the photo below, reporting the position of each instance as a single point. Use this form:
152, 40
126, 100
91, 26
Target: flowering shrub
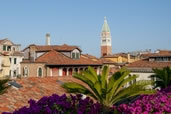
59, 105
157, 103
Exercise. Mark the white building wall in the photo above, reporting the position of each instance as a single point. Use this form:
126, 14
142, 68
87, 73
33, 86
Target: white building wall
107, 41
75, 50
98, 70
15, 67
60, 71
142, 76
38, 54
68, 54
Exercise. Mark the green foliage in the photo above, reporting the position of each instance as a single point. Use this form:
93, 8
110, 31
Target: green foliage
162, 77
3, 85
108, 90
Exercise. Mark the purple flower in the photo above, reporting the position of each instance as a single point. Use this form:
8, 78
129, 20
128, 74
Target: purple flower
60, 104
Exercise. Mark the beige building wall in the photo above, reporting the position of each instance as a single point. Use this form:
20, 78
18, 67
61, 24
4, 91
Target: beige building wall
124, 59
119, 59
112, 59
5, 66
33, 69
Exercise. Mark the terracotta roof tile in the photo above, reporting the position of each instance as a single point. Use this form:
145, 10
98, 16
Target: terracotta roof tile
148, 64
63, 47
3, 40
163, 53
107, 61
33, 88
116, 55
89, 56
56, 58
17, 53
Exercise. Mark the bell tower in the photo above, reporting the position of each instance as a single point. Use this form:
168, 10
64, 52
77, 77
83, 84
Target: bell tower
106, 40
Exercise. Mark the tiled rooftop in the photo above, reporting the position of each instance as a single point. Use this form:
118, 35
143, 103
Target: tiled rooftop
63, 47
56, 58
33, 88
107, 61
148, 64
116, 55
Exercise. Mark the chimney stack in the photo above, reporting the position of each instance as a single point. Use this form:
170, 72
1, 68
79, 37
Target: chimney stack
47, 39
128, 57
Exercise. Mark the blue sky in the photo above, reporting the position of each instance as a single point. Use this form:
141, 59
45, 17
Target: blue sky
135, 24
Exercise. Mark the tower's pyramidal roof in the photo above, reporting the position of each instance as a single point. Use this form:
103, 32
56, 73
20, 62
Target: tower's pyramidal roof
105, 27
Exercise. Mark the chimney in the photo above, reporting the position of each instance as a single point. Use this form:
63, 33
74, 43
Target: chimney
32, 53
128, 57
47, 39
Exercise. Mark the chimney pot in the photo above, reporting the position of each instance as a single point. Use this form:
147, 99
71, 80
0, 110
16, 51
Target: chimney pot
47, 38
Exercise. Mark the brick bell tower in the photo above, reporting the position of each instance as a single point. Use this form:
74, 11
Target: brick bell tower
106, 40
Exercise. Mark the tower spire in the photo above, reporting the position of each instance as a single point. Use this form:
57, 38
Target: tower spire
105, 27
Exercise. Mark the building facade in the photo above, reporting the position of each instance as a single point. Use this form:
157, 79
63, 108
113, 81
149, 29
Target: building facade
144, 68
55, 60
10, 58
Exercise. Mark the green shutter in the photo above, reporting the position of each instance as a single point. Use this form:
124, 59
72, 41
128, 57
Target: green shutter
40, 72
73, 55
15, 60
77, 55
4, 47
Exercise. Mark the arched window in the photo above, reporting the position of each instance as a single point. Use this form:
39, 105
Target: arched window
81, 70
64, 72
25, 71
76, 70
40, 72
70, 71
86, 69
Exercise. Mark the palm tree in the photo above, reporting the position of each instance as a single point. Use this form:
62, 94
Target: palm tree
162, 77
3, 85
107, 90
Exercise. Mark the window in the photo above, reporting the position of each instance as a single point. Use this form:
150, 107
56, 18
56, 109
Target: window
104, 54
4, 47
169, 59
130, 82
76, 70
13, 48
25, 71
165, 59
73, 55
10, 60
134, 81
77, 55
103, 41
162, 59
9, 48
10, 73
15, 60
40, 72
15, 73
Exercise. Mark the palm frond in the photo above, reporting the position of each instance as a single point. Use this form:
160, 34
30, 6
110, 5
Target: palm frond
73, 87
3, 85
